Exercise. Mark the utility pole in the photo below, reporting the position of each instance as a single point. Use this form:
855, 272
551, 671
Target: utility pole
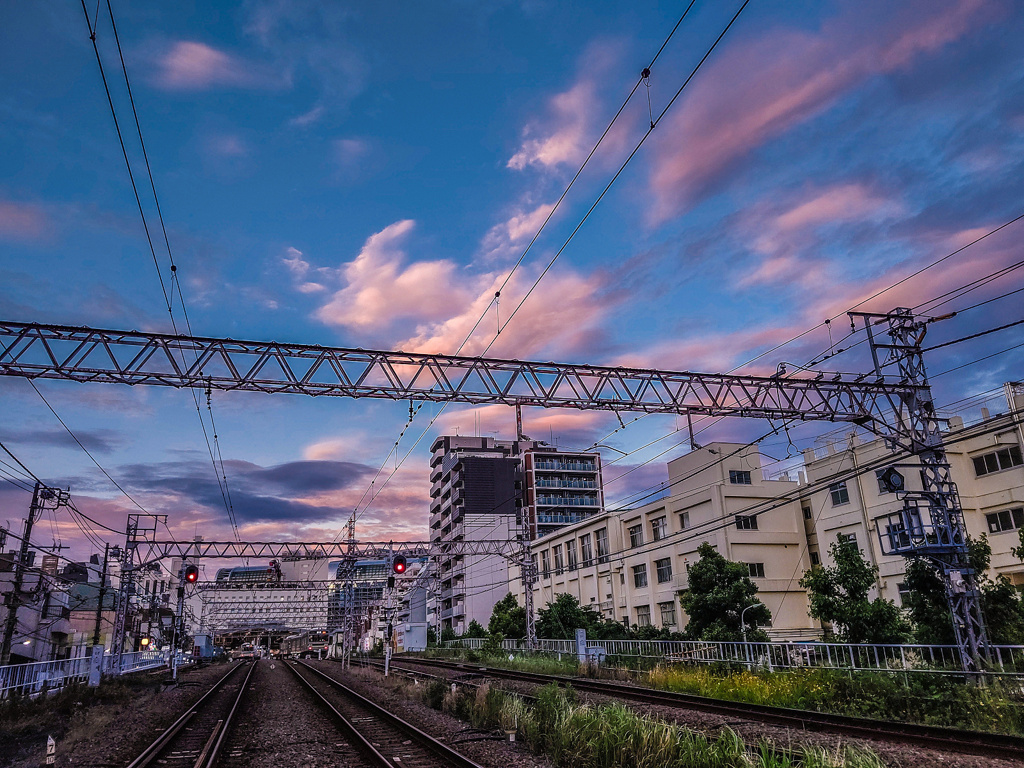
14, 599
102, 596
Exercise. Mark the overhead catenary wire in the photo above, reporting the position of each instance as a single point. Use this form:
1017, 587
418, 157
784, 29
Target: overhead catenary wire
168, 296
578, 226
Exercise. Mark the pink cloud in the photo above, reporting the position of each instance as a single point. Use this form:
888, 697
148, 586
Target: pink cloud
563, 138
381, 288
192, 66
503, 240
22, 220
561, 317
757, 91
579, 428
784, 236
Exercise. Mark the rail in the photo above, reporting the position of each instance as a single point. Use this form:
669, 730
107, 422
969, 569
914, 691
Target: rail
1006, 660
933, 737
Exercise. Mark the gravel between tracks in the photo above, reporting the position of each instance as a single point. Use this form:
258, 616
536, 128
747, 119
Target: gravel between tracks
109, 735
280, 724
897, 755
395, 695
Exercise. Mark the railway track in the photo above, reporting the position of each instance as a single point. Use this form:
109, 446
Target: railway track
977, 743
195, 738
381, 736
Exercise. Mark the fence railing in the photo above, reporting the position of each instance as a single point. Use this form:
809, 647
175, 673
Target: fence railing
45, 676
945, 659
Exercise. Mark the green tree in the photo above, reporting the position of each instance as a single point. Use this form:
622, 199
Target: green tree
719, 591
447, 634
508, 618
839, 595
560, 619
475, 629
928, 607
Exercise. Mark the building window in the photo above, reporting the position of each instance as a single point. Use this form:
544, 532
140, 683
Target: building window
559, 563
664, 569
659, 526
739, 477
1006, 520
746, 522
636, 535
904, 591
840, 493
668, 614
684, 520
807, 513
815, 559
997, 460
586, 550
545, 564
643, 615
850, 537
756, 570
640, 576
570, 553
602, 544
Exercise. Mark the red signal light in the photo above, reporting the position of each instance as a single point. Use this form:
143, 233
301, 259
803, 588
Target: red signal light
398, 564
191, 574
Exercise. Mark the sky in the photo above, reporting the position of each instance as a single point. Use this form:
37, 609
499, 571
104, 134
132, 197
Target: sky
369, 174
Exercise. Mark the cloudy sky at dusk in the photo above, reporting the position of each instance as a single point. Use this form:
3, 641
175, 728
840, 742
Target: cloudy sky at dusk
367, 174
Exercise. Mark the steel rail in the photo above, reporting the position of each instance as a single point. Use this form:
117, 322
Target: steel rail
364, 745
150, 753
933, 737
446, 754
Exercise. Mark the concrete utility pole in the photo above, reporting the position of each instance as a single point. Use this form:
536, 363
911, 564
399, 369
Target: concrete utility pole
102, 596
14, 599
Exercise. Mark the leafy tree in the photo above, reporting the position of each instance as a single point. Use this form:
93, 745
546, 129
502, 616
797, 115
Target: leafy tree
929, 609
719, 591
448, 634
431, 637
475, 629
508, 618
560, 619
839, 595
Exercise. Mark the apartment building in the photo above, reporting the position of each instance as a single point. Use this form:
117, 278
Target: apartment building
484, 489
986, 464
632, 564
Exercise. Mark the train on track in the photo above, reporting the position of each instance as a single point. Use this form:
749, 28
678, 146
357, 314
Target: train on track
305, 645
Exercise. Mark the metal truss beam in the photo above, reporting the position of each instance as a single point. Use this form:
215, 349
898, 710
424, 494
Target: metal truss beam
37, 351
148, 551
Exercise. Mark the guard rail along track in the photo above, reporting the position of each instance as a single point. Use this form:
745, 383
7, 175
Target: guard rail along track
382, 736
196, 737
930, 736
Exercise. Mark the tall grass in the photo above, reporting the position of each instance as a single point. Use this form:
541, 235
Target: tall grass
612, 736
928, 699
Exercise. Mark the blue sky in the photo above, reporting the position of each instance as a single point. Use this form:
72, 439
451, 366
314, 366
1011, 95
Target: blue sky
367, 174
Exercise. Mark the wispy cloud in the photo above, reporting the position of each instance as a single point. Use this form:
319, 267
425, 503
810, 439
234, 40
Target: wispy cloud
22, 221
762, 88
192, 66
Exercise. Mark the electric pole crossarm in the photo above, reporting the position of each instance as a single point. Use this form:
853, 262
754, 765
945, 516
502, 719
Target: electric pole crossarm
33, 350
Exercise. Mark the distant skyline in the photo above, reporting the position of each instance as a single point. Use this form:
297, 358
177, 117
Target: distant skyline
363, 175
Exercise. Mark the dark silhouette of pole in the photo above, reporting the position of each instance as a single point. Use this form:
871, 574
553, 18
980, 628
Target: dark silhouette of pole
102, 595
14, 598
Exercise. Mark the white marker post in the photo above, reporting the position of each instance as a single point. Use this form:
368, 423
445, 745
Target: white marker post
51, 751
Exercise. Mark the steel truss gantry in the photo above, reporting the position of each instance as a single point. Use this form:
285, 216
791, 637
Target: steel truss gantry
897, 407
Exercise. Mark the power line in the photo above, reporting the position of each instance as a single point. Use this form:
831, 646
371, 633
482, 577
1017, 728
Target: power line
973, 336
600, 197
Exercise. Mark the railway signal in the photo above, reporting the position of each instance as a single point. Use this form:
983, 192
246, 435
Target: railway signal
398, 564
191, 574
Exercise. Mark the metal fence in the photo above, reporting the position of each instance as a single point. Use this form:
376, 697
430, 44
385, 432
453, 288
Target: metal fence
945, 659
45, 676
